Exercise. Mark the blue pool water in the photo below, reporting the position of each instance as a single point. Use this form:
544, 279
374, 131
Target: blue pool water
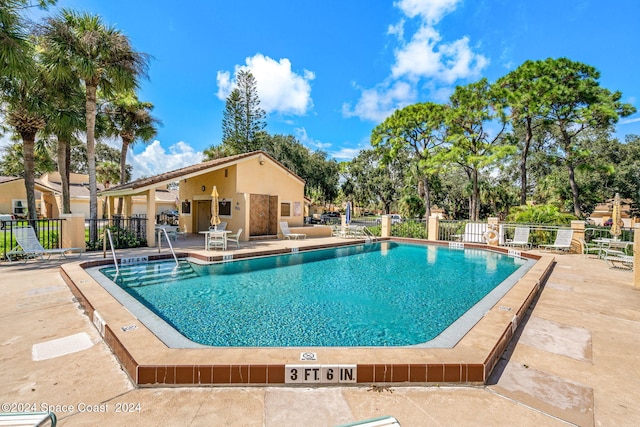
383, 294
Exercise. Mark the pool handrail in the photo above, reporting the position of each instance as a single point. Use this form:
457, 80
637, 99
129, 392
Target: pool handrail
106, 233
164, 231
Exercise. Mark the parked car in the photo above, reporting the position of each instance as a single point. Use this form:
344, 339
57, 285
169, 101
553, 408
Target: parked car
608, 223
395, 219
329, 217
5, 217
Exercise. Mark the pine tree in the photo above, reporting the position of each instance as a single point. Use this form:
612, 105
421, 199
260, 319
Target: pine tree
243, 119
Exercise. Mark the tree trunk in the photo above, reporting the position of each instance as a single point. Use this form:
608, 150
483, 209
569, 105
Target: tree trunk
67, 163
28, 147
123, 170
523, 162
574, 189
64, 174
475, 197
90, 106
427, 196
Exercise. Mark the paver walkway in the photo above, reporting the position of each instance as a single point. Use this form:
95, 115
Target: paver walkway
576, 362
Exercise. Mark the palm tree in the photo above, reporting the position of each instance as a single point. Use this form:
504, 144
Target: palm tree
107, 172
65, 120
83, 49
24, 107
15, 50
131, 120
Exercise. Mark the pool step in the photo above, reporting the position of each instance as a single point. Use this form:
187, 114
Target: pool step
151, 274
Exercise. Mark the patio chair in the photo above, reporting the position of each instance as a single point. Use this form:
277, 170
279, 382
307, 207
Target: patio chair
217, 240
221, 226
520, 238
235, 238
30, 247
590, 248
562, 242
284, 226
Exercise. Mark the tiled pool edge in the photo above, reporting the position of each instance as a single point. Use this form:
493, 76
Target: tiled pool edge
152, 364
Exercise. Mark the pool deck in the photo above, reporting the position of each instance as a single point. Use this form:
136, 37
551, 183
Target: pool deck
574, 361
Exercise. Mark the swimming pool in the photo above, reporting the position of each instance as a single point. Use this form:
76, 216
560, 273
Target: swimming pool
384, 294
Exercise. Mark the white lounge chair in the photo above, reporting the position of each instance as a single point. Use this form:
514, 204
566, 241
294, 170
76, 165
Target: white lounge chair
375, 422
562, 243
520, 238
36, 419
617, 260
284, 226
30, 247
235, 238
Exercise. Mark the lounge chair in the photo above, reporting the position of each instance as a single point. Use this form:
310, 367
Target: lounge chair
235, 238
562, 242
284, 226
36, 419
375, 422
617, 260
520, 238
30, 247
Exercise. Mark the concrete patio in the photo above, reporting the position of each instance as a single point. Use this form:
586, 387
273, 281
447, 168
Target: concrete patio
575, 362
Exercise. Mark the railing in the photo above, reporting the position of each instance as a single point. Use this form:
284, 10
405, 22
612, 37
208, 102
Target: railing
107, 232
126, 232
47, 230
415, 228
162, 231
592, 233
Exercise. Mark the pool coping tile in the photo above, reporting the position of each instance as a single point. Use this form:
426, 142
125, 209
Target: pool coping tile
150, 363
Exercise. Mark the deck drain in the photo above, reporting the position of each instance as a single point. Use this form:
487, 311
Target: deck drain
308, 356
129, 328
503, 308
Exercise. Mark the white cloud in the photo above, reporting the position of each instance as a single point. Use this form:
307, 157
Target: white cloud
155, 159
629, 121
431, 11
424, 65
346, 153
280, 89
426, 57
307, 141
380, 102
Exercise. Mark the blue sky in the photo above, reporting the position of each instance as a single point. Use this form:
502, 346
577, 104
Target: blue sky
329, 71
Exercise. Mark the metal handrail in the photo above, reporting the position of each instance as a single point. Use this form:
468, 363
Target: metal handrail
369, 234
107, 232
161, 230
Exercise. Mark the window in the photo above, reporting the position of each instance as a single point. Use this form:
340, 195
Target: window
186, 207
285, 209
20, 207
224, 207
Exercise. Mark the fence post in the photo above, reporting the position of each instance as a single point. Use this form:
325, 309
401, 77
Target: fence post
433, 227
636, 255
493, 223
578, 233
72, 231
385, 223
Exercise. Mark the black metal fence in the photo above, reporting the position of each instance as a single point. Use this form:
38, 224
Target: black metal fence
47, 230
126, 232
